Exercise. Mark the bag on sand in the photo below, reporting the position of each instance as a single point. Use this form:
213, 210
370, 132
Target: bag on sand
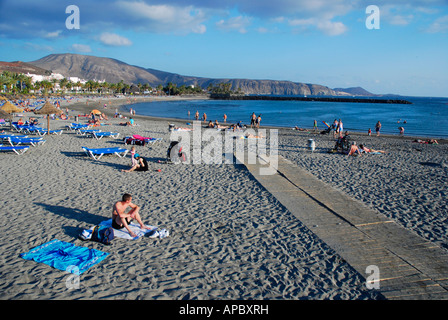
103, 235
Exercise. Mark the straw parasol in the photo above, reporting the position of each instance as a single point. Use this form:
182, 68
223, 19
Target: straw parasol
10, 108
48, 109
95, 111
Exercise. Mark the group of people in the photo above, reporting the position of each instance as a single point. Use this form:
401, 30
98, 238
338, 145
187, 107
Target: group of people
255, 121
138, 163
338, 128
215, 125
355, 150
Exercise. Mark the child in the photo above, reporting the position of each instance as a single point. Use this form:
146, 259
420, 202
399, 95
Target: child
133, 156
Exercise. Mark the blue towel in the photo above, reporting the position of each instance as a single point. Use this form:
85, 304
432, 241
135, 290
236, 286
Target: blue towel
61, 255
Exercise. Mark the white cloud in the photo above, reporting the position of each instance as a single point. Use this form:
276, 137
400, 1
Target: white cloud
164, 18
328, 27
239, 24
439, 26
400, 20
83, 48
112, 39
53, 34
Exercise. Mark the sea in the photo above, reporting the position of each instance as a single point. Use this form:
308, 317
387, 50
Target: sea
426, 117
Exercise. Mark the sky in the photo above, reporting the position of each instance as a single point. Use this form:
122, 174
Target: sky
396, 46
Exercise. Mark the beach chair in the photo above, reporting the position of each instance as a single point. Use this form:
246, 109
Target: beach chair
139, 140
41, 131
84, 132
17, 149
77, 126
35, 130
15, 141
99, 135
99, 152
6, 136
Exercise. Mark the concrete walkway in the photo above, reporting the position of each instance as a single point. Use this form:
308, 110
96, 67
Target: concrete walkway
409, 266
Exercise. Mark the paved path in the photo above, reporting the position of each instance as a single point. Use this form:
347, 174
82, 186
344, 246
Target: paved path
409, 266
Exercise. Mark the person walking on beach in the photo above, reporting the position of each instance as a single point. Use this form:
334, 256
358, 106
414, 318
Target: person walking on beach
340, 127
225, 118
378, 128
204, 117
334, 126
196, 115
120, 219
258, 121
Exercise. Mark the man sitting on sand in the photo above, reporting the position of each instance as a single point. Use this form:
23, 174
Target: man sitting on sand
121, 220
354, 149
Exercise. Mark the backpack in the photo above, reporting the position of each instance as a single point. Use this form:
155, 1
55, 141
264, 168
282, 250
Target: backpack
104, 235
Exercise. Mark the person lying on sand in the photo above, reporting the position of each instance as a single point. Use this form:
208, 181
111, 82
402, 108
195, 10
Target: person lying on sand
365, 149
121, 220
427, 141
252, 136
354, 149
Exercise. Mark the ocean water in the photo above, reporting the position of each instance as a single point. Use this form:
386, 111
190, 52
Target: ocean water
425, 117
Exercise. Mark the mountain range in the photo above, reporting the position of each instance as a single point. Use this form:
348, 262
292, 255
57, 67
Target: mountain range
113, 71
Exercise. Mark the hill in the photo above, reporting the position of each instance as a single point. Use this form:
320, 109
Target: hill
112, 70
22, 67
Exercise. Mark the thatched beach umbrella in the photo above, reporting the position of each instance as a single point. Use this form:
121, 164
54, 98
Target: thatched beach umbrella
48, 109
10, 108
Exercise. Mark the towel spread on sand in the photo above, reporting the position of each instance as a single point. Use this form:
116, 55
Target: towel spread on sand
63, 256
153, 232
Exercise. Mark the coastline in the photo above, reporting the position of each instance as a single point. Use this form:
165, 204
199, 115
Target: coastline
229, 239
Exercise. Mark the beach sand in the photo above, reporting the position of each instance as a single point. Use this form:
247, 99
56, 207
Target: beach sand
229, 238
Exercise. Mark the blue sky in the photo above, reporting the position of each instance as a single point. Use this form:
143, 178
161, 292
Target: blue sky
322, 41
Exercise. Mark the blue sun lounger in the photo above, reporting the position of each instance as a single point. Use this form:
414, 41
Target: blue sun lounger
99, 152
15, 141
83, 132
99, 135
42, 131
17, 149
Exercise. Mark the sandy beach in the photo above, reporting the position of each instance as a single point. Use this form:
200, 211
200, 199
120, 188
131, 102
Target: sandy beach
229, 238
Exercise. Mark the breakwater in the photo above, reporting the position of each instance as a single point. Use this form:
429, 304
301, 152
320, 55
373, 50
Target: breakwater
295, 98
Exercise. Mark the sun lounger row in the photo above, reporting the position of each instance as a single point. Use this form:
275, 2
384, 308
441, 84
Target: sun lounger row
32, 129
77, 126
97, 153
20, 140
97, 133
17, 149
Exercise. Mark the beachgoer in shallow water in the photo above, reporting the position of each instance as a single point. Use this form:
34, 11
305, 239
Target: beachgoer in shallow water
378, 128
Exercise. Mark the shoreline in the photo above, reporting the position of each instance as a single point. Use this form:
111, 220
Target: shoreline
355, 133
